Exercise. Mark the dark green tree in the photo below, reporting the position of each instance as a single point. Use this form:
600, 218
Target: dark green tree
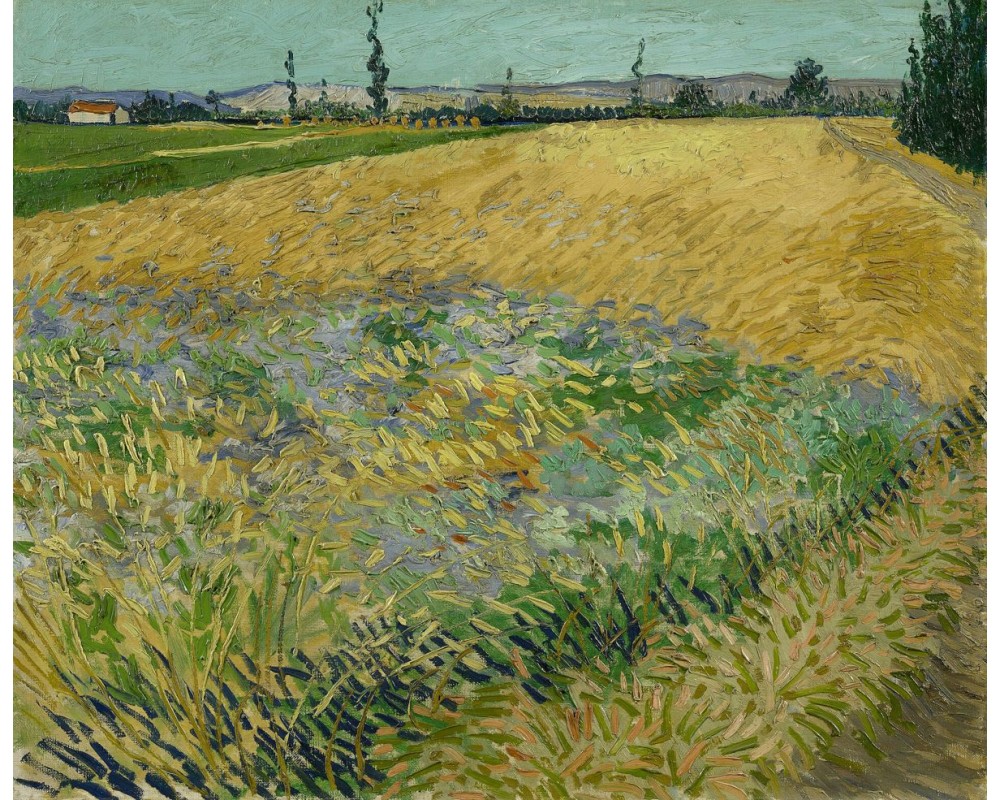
154, 110
806, 87
943, 103
20, 111
151, 110
693, 96
213, 99
508, 107
376, 64
290, 83
637, 71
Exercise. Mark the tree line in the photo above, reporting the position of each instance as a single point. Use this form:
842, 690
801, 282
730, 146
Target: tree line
152, 109
808, 92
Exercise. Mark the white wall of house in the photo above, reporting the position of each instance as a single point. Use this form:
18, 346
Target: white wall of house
121, 116
86, 117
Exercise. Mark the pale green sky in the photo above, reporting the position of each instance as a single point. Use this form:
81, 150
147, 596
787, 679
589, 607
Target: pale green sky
226, 44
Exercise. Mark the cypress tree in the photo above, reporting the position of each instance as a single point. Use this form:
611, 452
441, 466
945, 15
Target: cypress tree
376, 64
508, 105
637, 71
943, 103
290, 83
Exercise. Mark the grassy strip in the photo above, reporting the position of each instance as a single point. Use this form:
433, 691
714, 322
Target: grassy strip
39, 145
63, 190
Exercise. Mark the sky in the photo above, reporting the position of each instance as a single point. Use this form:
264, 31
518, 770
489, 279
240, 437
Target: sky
227, 44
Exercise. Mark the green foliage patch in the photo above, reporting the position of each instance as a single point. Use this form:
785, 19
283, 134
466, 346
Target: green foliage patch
472, 541
135, 172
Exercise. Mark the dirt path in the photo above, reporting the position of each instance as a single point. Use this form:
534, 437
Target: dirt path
944, 756
963, 201
288, 140
940, 753
187, 152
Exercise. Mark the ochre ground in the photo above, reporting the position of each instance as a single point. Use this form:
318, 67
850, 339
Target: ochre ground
773, 232
878, 132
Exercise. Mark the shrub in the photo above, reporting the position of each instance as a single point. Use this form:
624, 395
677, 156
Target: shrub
153, 110
694, 97
806, 87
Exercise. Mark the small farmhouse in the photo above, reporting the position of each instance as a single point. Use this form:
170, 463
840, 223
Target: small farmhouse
97, 112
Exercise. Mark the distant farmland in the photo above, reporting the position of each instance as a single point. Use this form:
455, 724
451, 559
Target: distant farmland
59, 167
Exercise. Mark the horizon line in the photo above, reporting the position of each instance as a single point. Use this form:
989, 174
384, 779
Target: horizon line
475, 87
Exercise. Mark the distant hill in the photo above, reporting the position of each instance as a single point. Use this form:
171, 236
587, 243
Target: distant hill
662, 88
658, 88
274, 96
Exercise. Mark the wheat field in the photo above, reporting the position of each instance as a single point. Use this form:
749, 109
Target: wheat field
452, 474
767, 230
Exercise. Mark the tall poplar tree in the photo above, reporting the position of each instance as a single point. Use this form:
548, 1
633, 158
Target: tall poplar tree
376, 64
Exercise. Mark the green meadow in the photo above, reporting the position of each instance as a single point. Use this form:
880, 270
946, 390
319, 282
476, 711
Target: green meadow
62, 167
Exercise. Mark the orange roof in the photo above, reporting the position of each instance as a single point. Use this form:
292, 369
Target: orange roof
94, 107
